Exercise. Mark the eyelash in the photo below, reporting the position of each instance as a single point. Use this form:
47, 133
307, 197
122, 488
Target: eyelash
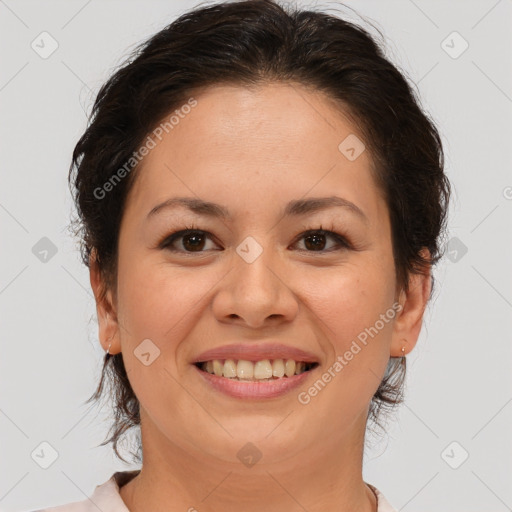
342, 242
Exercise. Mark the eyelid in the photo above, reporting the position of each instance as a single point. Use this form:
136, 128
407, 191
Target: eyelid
330, 233
341, 240
176, 235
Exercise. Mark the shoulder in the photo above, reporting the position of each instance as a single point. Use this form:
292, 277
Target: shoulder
105, 497
383, 504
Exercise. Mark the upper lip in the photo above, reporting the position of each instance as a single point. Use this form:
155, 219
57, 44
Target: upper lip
252, 351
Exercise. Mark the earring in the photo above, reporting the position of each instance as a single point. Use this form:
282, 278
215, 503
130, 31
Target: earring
109, 345
403, 351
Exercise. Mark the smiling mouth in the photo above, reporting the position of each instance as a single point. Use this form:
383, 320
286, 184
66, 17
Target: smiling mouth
255, 371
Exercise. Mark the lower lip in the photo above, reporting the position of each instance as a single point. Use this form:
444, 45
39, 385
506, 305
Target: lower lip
254, 389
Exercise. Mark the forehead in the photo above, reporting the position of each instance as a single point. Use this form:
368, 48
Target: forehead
251, 146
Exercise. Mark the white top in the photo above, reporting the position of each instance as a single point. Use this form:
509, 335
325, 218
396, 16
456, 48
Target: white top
106, 497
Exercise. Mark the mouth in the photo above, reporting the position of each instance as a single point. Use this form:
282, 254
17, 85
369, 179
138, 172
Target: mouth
254, 380
264, 370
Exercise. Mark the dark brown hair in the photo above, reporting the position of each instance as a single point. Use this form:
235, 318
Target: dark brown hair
250, 43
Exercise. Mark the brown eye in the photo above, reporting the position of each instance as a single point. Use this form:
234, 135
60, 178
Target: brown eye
194, 241
316, 240
191, 241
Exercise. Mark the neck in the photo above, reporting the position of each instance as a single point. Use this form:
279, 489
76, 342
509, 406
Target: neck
325, 477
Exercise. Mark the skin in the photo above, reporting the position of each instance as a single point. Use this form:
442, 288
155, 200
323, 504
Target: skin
252, 151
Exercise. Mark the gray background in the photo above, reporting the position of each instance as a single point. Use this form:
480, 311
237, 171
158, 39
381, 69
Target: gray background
459, 382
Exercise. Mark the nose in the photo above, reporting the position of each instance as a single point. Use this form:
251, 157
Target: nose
255, 294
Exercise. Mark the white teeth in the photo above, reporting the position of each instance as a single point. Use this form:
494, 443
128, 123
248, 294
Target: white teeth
218, 367
229, 369
263, 369
244, 369
289, 367
259, 370
278, 368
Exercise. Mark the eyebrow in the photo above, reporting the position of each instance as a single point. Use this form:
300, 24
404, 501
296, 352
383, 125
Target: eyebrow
294, 208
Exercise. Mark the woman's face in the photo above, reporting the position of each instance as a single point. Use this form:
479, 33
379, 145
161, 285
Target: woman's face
254, 278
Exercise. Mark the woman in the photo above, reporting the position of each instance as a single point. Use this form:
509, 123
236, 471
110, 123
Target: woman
261, 201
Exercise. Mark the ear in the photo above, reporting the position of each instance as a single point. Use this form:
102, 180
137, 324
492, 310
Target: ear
408, 322
108, 330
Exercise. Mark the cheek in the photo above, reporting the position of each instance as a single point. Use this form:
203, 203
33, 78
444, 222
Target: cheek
358, 340
352, 300
161, 302
355, 309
